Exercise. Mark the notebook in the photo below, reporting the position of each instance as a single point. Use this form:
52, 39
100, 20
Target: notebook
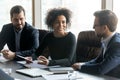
33, 72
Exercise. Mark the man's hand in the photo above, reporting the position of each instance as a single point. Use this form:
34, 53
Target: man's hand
8, 54
76, 66
29, 60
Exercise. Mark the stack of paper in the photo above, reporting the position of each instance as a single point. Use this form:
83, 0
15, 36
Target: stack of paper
74, 76
61, 69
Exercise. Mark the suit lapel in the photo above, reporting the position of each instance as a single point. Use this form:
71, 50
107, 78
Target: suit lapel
108, 46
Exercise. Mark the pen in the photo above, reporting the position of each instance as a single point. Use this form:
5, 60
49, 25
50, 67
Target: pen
24, 58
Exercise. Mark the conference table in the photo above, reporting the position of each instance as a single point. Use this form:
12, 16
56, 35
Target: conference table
14, 66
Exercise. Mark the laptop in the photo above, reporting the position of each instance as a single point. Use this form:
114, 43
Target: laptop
33, 72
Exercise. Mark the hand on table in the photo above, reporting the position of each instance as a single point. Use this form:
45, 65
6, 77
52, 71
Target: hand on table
8, 54
28, 60
76, 66
43, 60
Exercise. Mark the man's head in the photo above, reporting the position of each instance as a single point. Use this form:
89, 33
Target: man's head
105, 22
17, 14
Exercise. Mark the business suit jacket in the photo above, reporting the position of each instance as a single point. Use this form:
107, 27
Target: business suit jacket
29, 40
110, 63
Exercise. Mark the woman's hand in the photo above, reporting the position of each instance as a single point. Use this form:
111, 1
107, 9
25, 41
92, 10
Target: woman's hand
43, 60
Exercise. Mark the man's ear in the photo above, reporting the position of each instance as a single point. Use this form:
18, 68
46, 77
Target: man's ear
105, 27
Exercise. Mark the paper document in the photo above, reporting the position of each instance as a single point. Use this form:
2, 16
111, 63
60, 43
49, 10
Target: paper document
17, 79
62, 77
61, 69
34, 72
2, 59
32, 65
56, 77
75, 76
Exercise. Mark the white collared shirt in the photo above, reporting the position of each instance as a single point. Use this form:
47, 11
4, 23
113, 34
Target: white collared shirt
106, 41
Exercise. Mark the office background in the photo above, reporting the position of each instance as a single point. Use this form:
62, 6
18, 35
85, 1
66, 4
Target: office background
82, 11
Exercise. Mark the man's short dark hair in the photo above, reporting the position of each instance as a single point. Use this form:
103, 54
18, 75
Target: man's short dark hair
107, 17
16, 9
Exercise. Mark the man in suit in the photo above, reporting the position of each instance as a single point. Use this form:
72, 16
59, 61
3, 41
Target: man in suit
108, 62
20, 37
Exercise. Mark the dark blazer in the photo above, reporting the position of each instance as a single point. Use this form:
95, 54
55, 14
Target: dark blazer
4, 76
29, 40
110, 63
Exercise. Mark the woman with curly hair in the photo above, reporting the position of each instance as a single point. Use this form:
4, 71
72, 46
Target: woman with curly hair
61, 44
